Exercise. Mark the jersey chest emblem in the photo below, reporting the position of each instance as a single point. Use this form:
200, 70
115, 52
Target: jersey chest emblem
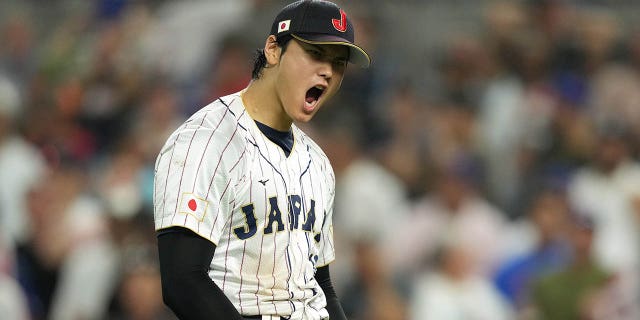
298, 218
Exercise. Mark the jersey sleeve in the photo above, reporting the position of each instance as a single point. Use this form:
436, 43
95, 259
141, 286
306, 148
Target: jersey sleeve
327, 249
192, 186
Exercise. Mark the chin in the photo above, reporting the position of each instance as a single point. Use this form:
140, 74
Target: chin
304, 118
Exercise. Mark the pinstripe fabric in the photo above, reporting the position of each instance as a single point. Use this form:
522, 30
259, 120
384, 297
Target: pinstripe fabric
218, 175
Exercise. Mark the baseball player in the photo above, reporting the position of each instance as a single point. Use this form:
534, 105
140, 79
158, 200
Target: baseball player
243, 199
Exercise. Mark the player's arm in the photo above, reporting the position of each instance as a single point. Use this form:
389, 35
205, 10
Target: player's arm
186, 286
333, 304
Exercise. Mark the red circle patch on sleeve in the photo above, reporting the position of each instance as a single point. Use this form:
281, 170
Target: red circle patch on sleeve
193, 205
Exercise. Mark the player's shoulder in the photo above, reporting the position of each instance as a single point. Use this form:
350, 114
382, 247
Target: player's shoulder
219, 120
221, 113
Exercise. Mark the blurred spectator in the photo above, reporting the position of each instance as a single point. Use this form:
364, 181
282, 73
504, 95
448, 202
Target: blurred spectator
158, 116
633, 49
549, 252
120, 183
404, 148
555, 18
452, 290
608, 191
370, 294
598, 35
12, 300
575, 291
68, 265
615, 99
17, 54
370, 200
21, 166
139, 296
13, 303
230, 72
195, 29
453, 210
501, 130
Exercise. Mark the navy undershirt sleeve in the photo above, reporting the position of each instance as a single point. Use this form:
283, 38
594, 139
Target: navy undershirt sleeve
333, 304
186, 287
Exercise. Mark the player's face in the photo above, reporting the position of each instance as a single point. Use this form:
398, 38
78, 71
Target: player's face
308, 76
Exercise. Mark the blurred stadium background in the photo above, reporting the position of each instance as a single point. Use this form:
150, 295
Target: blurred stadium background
487, 163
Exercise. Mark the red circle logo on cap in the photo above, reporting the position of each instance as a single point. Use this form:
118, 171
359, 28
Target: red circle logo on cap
283, 25
193, 205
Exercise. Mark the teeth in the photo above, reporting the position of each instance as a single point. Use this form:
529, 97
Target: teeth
319, 87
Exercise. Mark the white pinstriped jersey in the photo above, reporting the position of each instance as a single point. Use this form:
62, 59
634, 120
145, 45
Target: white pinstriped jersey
269, 215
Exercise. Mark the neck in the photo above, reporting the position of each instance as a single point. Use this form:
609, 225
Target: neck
263, 105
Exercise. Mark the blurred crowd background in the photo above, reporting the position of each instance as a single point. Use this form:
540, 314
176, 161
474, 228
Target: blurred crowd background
486, 164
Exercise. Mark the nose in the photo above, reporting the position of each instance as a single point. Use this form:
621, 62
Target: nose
325, 70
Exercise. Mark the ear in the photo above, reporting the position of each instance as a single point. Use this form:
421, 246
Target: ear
272, 51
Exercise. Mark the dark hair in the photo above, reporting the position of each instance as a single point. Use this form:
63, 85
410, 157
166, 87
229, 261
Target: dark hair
260, 60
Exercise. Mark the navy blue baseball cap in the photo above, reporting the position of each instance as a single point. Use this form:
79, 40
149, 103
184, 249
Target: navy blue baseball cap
319, 22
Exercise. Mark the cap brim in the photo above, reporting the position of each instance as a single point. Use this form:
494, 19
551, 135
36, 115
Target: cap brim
357, 55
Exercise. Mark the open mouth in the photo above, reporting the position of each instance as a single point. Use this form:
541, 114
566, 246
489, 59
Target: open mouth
313, 94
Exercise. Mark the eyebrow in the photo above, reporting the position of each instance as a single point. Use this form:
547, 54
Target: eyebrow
313, 46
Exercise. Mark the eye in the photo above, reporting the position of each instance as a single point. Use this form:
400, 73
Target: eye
316, 54
341, 62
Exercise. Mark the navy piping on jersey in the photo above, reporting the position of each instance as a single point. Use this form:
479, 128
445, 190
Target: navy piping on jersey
284, 139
